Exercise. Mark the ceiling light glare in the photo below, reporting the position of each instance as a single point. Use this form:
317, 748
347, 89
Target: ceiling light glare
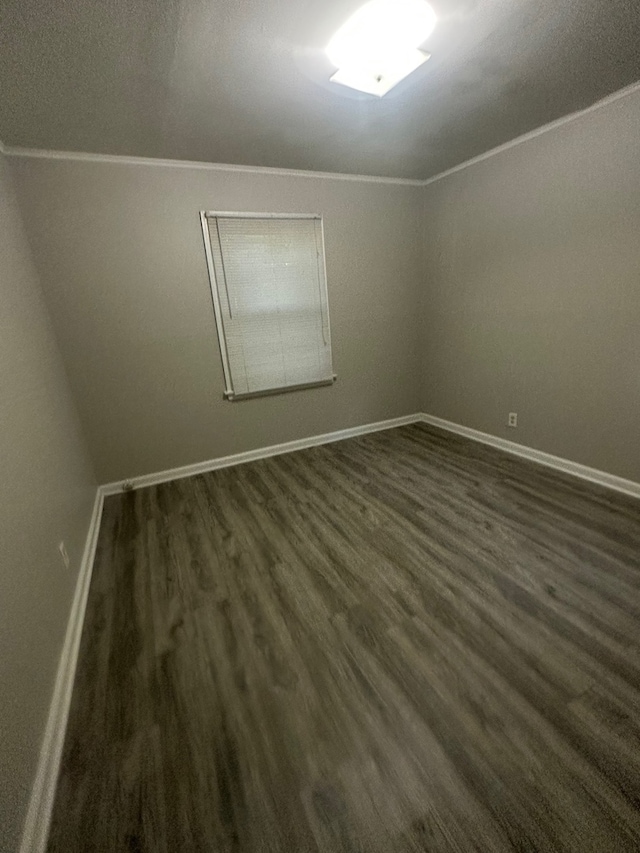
378, 46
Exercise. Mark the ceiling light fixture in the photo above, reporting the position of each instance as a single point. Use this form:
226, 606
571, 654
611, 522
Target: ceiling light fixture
378, 46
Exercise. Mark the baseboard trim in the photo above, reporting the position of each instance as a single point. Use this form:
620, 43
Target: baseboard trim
252, 455
36, 826
593, 475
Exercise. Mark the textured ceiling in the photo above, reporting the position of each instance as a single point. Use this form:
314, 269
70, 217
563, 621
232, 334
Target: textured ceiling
246, 81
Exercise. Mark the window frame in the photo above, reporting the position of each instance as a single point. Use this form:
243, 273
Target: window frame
229, 393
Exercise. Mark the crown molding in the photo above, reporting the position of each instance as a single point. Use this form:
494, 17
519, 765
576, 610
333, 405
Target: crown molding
539, 131
121, 159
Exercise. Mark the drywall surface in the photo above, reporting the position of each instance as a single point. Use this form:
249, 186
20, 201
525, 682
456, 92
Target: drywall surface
248, 82
120, 253
532, 292
46, 495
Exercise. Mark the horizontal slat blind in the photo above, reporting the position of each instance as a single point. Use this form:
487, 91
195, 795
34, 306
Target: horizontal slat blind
272, 294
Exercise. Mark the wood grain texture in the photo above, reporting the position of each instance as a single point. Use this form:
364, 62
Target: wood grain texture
401, 642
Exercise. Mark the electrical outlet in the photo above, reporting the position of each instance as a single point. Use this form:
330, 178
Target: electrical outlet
513, 419
63, 553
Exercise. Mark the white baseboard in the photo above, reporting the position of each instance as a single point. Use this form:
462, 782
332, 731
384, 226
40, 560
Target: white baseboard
251, 455
602, 478
36, 826
619, 484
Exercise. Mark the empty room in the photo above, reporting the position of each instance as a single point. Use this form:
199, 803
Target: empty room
320, 426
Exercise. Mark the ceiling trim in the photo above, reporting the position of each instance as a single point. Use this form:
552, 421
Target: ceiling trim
122, 159
81, 156
533, 134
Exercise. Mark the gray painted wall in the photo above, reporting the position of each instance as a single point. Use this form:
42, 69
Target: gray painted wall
513, 285
532, 292
120, 252
46, 494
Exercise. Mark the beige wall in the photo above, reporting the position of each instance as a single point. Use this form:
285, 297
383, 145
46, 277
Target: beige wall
119, 249
532, 292
513, 285
46, 495
525, 268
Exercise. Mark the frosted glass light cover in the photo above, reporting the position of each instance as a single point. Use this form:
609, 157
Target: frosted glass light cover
378, 80
378, 45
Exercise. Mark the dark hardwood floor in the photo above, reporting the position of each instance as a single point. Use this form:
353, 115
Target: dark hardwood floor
401, 642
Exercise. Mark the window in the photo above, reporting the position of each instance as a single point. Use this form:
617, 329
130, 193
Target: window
269, 292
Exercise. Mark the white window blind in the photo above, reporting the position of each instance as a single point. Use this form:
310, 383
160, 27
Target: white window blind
269, 292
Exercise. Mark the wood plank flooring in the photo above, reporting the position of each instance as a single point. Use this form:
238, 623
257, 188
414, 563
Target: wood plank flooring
401, 642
